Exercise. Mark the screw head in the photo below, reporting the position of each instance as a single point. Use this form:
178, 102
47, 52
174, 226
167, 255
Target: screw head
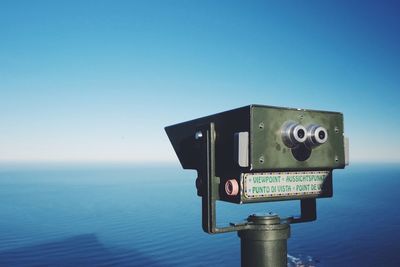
198, 135
336, 129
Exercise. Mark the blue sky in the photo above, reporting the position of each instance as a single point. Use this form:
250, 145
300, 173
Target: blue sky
98, 80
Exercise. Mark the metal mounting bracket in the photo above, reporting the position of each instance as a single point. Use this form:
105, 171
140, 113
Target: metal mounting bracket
208, 185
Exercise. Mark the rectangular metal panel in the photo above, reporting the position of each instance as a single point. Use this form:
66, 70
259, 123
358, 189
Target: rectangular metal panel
268, 151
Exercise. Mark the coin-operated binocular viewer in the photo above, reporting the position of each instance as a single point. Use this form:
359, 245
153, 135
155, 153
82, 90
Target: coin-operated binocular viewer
259, 154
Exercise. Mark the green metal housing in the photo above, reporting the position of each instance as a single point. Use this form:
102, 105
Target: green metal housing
266, 150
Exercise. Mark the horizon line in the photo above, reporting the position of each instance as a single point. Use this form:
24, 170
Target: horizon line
80, 162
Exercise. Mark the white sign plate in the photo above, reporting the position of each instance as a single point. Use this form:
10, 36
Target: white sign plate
278, 184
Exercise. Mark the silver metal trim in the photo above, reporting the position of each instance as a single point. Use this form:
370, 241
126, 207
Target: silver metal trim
346, 151
313, 139
290, 134
242, 148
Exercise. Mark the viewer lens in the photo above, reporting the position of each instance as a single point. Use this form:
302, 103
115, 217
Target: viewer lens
301, 133
293, 134
321, 135
316, 135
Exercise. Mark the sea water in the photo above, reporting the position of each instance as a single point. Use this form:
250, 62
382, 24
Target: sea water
150, 215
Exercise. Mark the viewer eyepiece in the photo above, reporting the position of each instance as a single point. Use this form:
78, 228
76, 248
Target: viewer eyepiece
293, 134
301, 134
316, 135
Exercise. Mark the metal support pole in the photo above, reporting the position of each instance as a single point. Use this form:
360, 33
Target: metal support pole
264, 244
